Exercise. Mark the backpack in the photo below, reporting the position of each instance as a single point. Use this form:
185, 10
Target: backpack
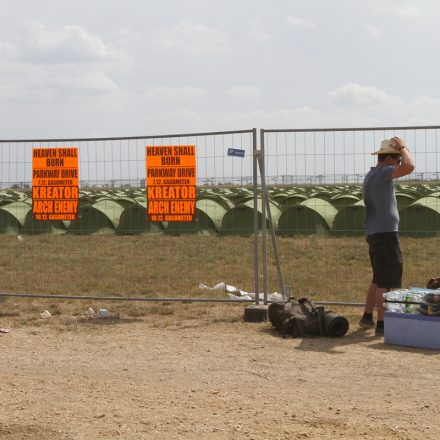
303, 318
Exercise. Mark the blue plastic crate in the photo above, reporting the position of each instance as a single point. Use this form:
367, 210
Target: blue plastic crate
421, 331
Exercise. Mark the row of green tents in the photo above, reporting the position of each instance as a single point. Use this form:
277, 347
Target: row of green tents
322, 210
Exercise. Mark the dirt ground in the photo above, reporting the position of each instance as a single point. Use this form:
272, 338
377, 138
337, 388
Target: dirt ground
209, 379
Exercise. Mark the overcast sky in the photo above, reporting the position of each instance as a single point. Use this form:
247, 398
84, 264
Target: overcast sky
138, 67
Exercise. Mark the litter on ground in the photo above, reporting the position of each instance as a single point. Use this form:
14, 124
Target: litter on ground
235, 293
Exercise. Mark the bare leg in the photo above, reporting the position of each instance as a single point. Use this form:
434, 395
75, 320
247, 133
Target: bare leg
379, 301
371, 298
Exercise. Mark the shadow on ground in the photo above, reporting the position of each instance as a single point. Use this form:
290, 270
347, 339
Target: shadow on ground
329, 345
108, 321
401, 348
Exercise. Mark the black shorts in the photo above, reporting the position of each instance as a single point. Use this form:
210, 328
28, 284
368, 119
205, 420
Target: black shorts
386, 259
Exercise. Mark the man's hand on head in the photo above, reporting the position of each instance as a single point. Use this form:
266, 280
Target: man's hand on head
397, 143
406, 165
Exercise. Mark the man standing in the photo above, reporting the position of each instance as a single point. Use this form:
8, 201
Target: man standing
382, 225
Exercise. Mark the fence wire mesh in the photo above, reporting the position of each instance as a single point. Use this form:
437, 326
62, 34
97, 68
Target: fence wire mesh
315, 179
111, 248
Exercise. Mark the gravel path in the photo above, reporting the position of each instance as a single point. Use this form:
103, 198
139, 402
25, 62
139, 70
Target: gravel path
132, 380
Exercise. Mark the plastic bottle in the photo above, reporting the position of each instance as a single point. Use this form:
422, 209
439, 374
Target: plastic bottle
396, 295
403, 296
412, 309
394, 307
416, 295
407, 299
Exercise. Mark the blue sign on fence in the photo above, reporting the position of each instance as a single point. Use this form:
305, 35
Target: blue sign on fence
235, 152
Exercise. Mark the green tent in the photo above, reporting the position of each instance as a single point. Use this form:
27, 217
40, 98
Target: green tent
208, 219
32, 226
125, 201
142, 200
349, 221
12, 217
240, 219
292, 200
240, 196
340, 201
421, 218
218, 198
435, 193
101, 217
320, 193
6, 201
404, 200
312, 216
134, 221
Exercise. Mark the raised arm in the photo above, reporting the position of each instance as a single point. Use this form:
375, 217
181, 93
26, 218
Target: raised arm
407, 165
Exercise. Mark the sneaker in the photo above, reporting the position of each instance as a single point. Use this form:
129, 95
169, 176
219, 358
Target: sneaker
378, 331
366, 323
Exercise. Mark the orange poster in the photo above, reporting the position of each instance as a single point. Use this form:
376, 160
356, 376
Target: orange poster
55, 183
171, 183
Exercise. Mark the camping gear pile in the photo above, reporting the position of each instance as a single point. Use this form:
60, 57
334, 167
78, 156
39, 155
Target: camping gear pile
303, 318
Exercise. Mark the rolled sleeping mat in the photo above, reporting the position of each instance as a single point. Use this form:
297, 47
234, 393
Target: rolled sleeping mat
335, 326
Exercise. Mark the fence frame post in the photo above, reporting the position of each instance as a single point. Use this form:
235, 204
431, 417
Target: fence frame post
255, 188
266, 209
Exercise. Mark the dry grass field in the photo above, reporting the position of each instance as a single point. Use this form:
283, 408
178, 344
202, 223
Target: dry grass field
158, 265
196, 370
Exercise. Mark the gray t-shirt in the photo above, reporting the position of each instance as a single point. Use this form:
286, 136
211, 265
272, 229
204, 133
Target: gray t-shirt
381, 214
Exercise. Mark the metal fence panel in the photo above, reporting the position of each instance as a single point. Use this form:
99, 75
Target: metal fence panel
315, 176
111, 248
